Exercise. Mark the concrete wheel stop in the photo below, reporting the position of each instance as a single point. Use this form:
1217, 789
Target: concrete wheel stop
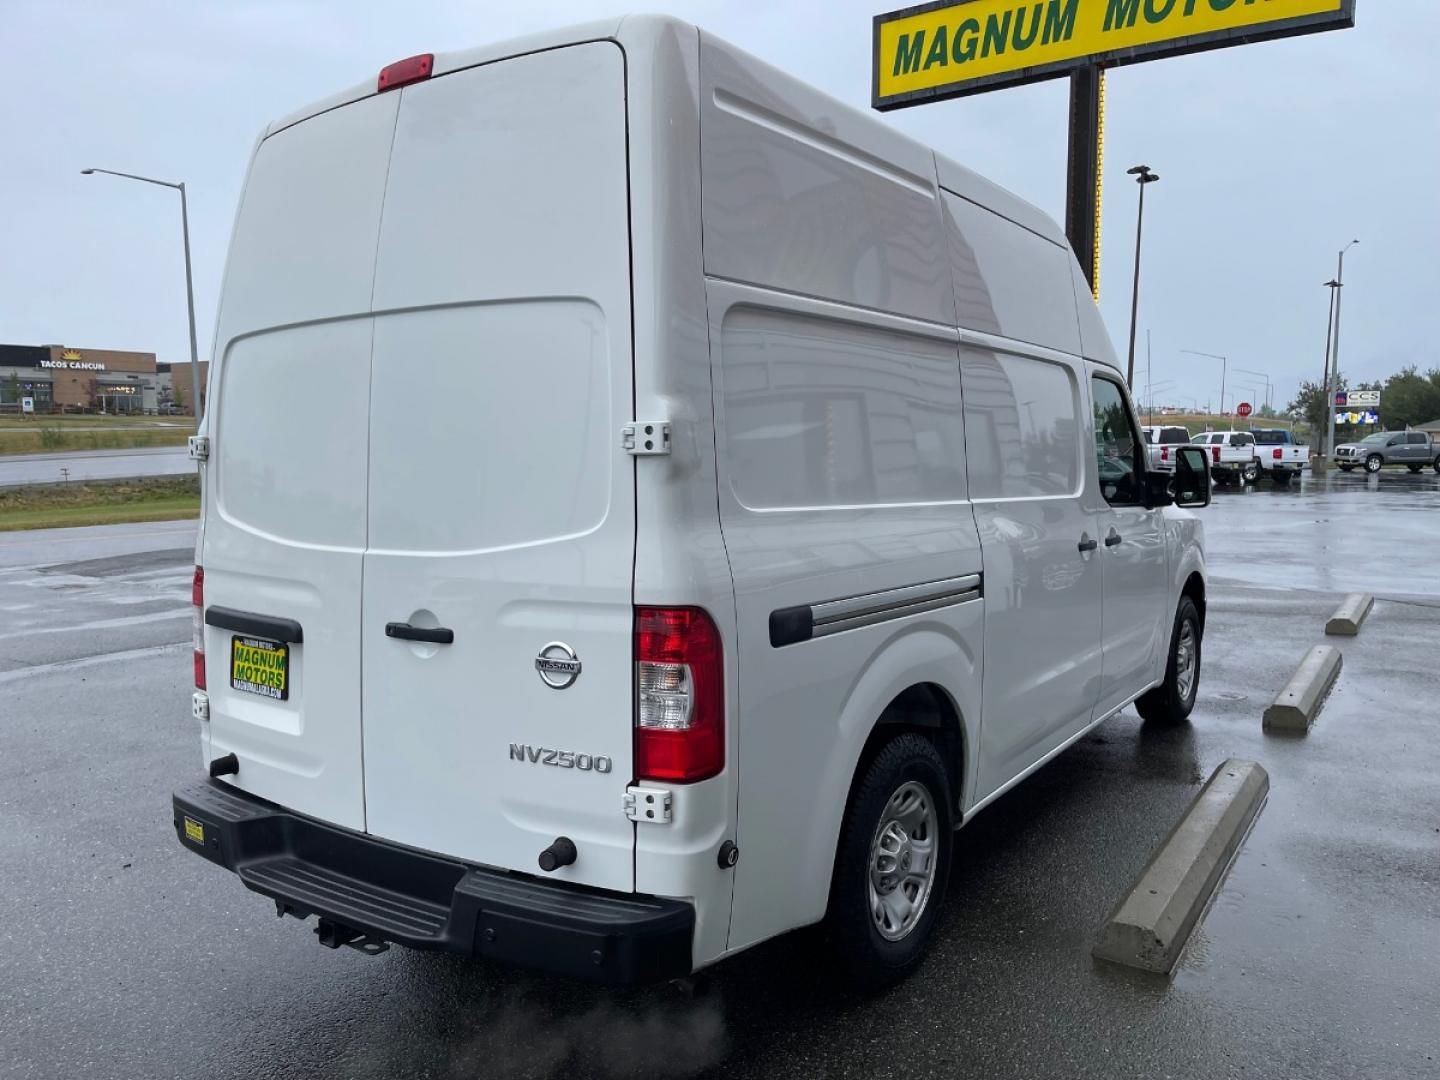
1296, 707
1349, 615
1149, 927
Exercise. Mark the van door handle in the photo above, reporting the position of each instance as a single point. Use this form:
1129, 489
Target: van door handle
1087, 545
1113, 539
438, 634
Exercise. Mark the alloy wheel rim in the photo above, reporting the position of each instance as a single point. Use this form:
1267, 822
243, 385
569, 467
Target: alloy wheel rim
1185, 661
902, 863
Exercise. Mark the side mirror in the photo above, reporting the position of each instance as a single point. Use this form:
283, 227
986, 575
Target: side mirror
1192, 477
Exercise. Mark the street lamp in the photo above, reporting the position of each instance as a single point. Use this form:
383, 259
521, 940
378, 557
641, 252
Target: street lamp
1260, 374
1143, 176
189, 285
1224, 370
1334, 367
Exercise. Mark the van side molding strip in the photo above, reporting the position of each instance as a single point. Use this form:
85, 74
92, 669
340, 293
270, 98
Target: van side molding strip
260, 626
792, 625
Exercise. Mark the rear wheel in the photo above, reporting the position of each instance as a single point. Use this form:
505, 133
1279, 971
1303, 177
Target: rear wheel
1437, 465
1251, 473
892, 864
1373, 463
1172, 700
1280, 477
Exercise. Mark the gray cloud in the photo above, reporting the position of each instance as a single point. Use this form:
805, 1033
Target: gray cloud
1272, 157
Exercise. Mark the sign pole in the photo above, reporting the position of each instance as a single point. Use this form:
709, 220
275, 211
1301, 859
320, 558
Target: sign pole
1082, 171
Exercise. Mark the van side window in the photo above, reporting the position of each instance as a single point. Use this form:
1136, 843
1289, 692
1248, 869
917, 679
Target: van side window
1116, 445
1021, 426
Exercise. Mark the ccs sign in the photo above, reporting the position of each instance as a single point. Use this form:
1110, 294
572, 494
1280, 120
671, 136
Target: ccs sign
949, 49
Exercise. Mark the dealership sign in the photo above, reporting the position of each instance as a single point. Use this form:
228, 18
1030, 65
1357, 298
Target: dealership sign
947, 49
1357, 399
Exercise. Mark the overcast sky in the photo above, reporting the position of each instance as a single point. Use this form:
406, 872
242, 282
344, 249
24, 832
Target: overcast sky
1272, 157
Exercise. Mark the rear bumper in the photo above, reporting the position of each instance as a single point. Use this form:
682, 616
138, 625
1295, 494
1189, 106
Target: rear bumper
363, 888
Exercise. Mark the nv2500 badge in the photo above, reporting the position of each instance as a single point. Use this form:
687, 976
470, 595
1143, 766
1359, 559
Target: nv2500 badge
560, 759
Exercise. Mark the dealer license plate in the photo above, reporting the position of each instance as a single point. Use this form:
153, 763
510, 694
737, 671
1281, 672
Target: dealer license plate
262, 667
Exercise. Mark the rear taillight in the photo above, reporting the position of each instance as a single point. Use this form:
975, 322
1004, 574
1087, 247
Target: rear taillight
1215, 452
1164, 453
1277, 453
403, 72
197, 625
680, 695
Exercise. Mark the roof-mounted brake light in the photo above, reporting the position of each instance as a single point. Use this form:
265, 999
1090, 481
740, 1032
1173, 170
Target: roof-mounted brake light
404, 72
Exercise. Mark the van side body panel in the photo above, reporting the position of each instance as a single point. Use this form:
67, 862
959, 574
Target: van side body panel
680, 555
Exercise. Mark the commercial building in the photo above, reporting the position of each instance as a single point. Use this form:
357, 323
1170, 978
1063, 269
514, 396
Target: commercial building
60, 379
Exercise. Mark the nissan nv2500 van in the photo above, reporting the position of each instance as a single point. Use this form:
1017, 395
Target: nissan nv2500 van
648, 506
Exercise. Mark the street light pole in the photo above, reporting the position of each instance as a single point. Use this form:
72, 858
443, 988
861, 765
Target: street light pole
1325, 392
1261, 374
1224, 371
1143, 176
1339, 292
189, 282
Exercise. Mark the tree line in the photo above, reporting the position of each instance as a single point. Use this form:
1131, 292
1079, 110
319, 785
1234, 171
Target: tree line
1407, 399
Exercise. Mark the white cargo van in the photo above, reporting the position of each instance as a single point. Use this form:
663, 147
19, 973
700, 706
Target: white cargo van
648, 506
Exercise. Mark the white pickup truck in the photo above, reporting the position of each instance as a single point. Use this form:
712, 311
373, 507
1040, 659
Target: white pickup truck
1161, 443
1232, 456
1280, 457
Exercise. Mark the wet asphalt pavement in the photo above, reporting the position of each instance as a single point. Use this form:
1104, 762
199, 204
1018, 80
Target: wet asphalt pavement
19, 469
123, 956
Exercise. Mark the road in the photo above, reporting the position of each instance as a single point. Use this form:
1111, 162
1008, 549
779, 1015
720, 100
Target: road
124, 956
18, 469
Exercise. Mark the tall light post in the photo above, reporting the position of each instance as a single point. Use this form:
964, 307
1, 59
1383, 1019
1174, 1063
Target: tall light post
1259, 374
1143, 177
1224, 371
1334, 366
1325, 391
1151, 389
189, 284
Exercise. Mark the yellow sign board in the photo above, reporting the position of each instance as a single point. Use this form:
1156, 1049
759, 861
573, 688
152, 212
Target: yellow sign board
948, 49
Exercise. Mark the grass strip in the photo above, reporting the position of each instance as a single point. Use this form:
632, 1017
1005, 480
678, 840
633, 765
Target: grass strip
52, 506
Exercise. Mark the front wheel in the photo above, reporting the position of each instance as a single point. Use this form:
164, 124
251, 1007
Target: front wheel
1172, 700
1373, 463
892, 864
1437, 465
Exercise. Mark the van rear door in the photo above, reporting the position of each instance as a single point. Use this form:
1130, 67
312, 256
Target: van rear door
501, 502
285, 525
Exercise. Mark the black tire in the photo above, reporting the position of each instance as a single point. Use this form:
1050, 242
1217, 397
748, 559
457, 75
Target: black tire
1374, 463
1437, 465
1279, 478
1251, 474
866, 958
1350, 468
1166, 704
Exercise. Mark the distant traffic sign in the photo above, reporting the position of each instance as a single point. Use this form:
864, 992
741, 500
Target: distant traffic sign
1243, 409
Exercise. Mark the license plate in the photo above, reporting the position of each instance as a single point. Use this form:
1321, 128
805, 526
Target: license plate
260, 667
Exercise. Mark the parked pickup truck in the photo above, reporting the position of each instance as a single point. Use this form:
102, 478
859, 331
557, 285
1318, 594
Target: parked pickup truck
1232, 456
1279, 456
1161, 443
1415, 449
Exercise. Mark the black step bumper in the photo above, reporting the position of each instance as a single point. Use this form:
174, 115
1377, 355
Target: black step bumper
367, 889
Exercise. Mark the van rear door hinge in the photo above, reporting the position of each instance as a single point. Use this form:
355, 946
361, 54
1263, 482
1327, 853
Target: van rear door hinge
646, 437
200, 447
648, 804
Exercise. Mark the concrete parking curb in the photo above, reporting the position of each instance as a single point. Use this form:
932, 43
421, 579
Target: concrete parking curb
1296, 707
1149, 927
1349, 615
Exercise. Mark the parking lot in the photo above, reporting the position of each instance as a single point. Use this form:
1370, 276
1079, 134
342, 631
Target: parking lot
124, 956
